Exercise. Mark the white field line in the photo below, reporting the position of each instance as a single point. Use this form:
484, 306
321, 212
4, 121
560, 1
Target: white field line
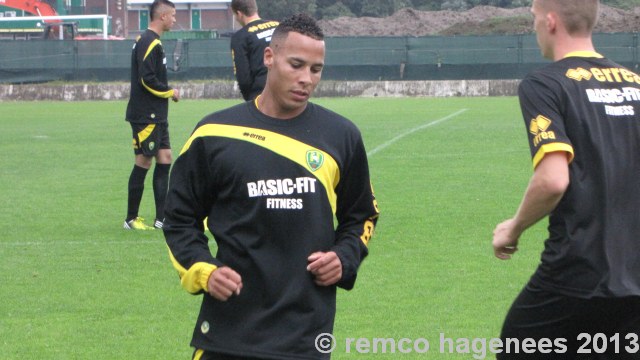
370, 153
386, 144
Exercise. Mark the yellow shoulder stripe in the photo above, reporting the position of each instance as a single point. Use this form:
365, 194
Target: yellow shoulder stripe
153, 44
325, 168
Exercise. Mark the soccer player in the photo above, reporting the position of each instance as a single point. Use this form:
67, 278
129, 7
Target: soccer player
247, 47
583, 122
270, 174
147, 113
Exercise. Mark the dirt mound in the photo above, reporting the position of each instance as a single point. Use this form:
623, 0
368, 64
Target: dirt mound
479, 20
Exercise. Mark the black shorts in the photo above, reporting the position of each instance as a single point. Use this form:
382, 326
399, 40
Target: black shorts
149, 138
207, 355
563, 327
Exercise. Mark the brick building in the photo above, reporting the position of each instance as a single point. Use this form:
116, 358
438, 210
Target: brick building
190, 15
131, 17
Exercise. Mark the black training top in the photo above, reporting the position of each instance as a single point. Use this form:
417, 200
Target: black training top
150, 91
247, 51
270, 189
587, 106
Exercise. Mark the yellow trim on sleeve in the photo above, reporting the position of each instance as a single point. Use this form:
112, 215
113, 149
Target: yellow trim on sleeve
328, 173
162, 94
552, 147
233, 60
196, 278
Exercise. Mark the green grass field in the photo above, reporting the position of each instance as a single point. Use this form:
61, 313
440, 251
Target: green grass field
75, 285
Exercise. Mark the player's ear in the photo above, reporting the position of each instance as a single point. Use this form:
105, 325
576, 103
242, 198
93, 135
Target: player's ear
552, 21
268, 57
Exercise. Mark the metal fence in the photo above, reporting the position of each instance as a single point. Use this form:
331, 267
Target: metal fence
348, 58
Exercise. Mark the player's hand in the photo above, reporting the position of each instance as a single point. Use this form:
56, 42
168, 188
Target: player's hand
223, 283
505, 239
326, 267
176, 95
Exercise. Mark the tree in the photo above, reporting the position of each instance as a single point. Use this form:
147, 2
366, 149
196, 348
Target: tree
336, 10
498, 3
382, 8
280, 9
427, 4
322, 4
623, 4
375, 8
455, 5
354, 5
521, 3
402, 4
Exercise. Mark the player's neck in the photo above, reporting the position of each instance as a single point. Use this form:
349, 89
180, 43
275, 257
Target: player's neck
574, 44
269, 106
250, 19
156, 28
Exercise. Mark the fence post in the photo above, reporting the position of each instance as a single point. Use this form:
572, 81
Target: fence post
635, 48
405, 59
76, 55
520, 49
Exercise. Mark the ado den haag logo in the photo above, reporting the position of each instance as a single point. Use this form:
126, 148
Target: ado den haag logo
315, 159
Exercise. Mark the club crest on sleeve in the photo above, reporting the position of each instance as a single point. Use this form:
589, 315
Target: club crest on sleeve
315, 159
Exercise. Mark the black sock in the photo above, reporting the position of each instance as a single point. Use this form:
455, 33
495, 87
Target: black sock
160, 186
136, 188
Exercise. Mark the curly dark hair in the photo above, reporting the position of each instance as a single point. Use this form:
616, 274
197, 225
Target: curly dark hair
301, 24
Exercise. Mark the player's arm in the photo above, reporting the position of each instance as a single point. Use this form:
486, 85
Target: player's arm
357, 214
241, 64
148, 60
185, 209
551, 156
545, 190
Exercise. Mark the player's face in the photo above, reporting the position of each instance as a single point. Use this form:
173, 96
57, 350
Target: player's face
168, 18
540, 26
295, 67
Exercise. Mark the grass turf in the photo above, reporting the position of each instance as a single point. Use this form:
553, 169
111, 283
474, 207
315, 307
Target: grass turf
76, 285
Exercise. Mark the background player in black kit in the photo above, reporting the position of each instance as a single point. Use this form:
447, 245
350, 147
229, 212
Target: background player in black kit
247, 47
270, 175
582, 117
147, 113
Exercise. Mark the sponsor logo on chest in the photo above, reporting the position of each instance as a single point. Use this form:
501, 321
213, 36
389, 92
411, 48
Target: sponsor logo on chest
275, 191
